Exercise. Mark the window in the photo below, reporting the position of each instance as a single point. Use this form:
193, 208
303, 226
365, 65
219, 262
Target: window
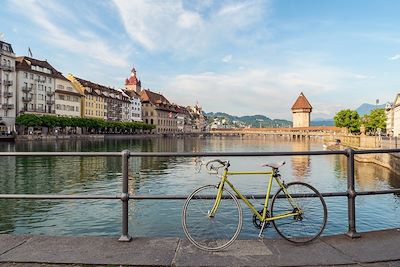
31, 76
49, 80
40, 97
26, 75
62, 97
60, 86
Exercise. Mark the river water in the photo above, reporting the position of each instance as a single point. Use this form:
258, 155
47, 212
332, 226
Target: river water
171, 176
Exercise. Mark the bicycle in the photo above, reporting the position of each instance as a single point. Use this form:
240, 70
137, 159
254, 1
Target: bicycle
212, 216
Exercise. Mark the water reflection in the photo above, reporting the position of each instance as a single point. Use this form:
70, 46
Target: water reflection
301, 165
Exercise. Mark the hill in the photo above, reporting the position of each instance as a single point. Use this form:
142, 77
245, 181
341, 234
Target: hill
365, 108
255, 121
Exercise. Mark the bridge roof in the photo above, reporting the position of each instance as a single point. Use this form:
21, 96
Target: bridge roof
301, 103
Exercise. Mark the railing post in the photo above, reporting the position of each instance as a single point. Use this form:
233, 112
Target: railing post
351, 195
125, 196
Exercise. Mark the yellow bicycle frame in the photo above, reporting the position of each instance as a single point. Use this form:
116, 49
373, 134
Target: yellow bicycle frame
262, 217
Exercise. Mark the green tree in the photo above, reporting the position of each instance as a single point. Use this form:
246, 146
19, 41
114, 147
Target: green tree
349, 119
374, 120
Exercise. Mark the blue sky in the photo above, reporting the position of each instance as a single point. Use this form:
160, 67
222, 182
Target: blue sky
241, 57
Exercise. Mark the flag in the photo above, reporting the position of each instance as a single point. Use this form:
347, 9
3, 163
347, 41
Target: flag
170, 115
30, 51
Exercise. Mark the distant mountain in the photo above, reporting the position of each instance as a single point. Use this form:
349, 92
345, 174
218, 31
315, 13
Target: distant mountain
253, 120
366, 108
322, 122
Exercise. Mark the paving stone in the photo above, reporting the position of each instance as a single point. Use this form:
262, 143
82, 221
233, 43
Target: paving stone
94, 250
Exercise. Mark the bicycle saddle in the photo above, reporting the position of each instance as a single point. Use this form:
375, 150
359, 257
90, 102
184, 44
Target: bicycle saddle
274, 165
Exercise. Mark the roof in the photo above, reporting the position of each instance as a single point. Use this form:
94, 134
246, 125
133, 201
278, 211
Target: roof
9, 47
154, 98
301, 103
101, 88
133, 80
24, 63
158, 100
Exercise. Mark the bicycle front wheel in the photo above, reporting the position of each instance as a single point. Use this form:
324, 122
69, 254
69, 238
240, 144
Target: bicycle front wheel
310, 223
211, 233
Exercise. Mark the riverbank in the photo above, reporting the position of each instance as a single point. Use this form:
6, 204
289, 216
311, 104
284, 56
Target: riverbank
390, 161
376, 247
34, 137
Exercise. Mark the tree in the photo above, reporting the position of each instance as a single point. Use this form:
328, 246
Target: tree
31, 120
374, 120
349, 119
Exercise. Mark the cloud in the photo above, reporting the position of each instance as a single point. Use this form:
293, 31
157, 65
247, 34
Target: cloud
395, 57
85, 43
227, 58
173, 26
269, 91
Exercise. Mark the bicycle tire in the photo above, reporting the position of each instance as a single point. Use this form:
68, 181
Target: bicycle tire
218, 232
302, 228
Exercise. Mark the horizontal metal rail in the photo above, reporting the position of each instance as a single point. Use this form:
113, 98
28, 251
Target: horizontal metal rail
351, 193
182, 197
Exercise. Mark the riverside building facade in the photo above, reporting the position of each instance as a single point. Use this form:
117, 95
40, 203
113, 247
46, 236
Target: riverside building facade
7, 88
158, 111
93, 104
35, 86
133, 87
68, 99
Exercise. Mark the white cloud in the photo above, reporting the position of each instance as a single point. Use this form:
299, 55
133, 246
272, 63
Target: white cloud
395, 57
169, 25
227, 58
86, 43
271, 92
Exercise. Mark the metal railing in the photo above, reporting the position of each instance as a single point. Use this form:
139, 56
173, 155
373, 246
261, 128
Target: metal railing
351, 193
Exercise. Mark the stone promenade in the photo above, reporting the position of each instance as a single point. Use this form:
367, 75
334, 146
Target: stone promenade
380, 248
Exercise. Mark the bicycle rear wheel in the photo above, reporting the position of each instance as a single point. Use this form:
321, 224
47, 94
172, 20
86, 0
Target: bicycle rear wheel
211, 233
304, 227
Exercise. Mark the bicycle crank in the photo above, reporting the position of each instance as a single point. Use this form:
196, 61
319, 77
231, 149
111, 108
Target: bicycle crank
258, 223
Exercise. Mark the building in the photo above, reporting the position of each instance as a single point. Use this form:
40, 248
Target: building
133, 87
158, 111
198, 119
389, 118
93, 103
67, 98
133, 84
35, 86
136, 106
301, 110
393, 117
7, 88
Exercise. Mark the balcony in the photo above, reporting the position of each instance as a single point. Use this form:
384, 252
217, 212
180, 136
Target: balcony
50, 102
7, 83
49, 93
26, 89
6, 67
26, 98
7, 106
8, 94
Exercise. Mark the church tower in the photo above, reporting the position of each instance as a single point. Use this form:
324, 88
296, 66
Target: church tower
301, 110
133, 84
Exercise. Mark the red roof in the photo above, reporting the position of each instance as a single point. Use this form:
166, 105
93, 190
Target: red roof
133, 81
302, 103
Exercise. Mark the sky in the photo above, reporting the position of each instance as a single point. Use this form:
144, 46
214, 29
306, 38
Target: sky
240, 57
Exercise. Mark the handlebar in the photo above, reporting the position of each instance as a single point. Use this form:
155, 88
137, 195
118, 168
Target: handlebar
211, 167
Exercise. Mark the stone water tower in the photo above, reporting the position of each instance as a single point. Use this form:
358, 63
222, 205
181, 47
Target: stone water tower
301, 112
